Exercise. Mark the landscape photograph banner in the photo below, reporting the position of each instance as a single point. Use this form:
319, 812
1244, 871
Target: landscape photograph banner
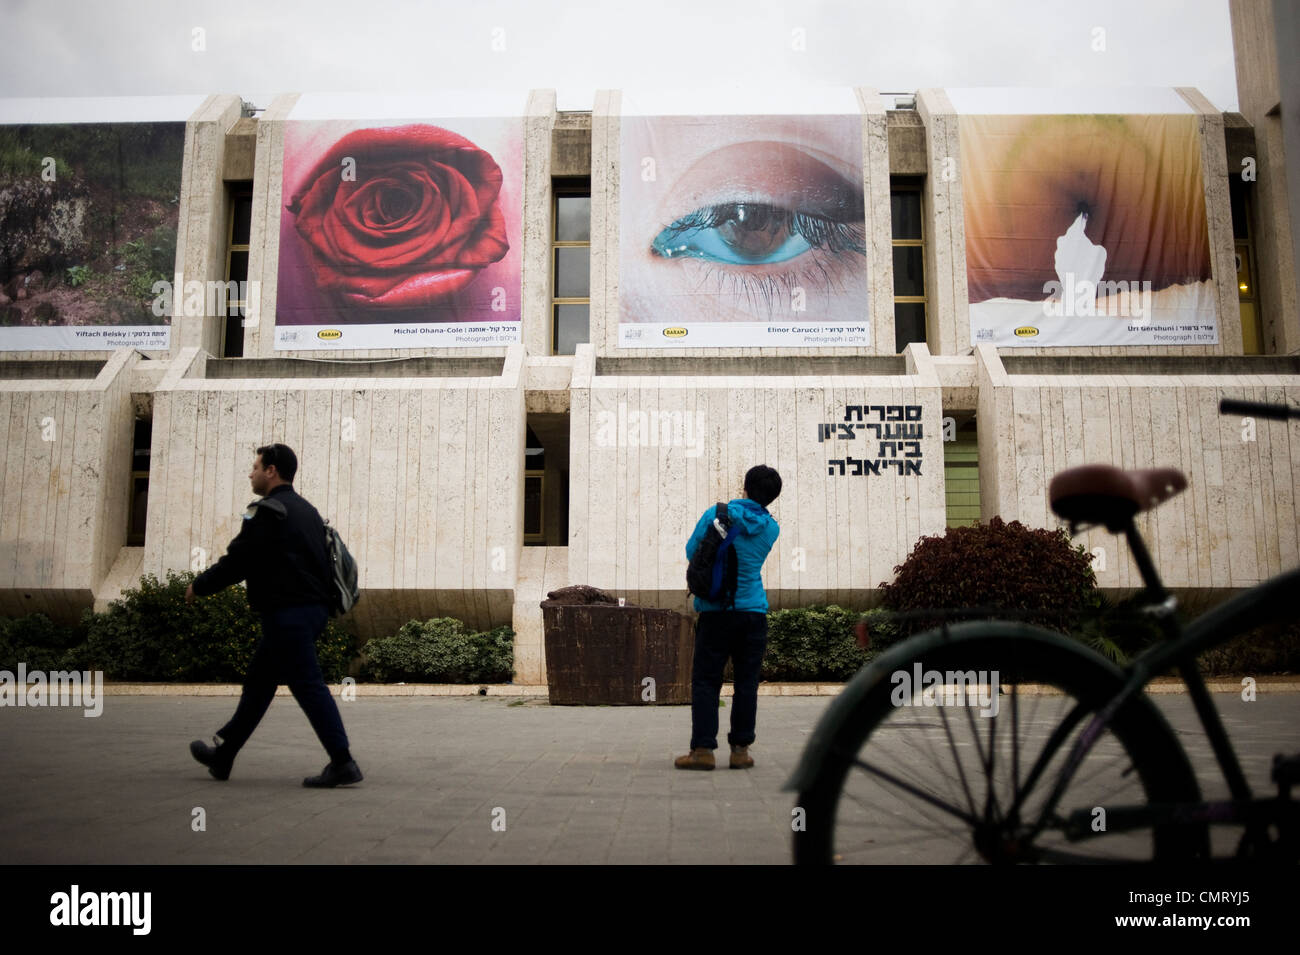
742, 231
88, 218
1086, 229
400, 234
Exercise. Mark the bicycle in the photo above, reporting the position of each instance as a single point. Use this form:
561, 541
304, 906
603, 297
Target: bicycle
1102, 778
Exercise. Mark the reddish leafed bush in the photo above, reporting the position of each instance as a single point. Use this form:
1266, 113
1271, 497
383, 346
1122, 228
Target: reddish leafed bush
1036, 573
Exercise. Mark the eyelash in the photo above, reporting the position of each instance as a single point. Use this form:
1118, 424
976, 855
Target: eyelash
773, 290
818, 231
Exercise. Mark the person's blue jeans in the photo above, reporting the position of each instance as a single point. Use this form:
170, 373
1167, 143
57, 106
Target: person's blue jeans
719, 635
287, 654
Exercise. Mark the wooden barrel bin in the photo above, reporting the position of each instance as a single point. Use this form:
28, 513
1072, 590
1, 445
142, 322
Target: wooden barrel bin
603, 653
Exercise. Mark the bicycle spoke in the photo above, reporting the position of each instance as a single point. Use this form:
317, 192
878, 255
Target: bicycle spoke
952, 745
909, 781
1050, 749
938, 828
967, 818
1015, 746
991, 798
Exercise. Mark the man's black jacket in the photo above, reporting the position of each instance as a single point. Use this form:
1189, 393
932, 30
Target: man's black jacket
280, 551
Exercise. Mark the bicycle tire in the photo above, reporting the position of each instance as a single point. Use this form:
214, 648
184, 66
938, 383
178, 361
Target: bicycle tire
871, 746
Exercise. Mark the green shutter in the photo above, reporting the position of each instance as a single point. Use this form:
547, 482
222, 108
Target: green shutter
961, 479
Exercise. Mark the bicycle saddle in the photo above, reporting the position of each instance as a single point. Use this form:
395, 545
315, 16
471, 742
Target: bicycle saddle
1104, 494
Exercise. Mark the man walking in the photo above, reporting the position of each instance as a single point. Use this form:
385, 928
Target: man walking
737, 630
280, 551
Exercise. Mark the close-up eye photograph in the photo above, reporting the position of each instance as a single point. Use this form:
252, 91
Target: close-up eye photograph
445, 442
741, 218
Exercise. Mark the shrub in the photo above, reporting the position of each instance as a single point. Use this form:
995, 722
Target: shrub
1009, 566
1118, 632
38, 642
1123, 631
810, 644
152, 634
1272, 648
441, 650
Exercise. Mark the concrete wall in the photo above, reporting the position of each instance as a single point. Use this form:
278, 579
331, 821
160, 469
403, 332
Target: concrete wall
422, 476
1255, 52
64, 487
419, 461
204, 224
634, 506
1237, 523
947, 323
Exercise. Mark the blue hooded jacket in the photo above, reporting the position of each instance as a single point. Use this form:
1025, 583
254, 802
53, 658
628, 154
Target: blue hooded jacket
758, 532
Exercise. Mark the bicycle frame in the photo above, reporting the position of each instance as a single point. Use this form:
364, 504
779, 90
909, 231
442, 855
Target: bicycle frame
1258, 605
1174, 808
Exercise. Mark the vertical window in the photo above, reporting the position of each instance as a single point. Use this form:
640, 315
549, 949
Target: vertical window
961, 470
546, 479
534, 489
534, 514
570, 265
140, 451
237, 244
1252, 323
909, 262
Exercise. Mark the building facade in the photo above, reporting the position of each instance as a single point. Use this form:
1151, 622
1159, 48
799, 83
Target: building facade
629, 308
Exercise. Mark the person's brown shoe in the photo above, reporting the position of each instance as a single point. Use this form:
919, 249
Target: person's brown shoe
740, 758
698, 758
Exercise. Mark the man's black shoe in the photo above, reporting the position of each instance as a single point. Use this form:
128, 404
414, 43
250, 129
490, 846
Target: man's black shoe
212, 757
335, 774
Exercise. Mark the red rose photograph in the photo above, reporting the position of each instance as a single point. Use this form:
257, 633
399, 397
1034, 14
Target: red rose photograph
409, 223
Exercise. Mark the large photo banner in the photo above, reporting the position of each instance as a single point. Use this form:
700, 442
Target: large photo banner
400, 233
88, 217
742, 230
1086, 229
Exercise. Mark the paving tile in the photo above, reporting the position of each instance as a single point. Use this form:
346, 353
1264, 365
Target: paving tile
578, 784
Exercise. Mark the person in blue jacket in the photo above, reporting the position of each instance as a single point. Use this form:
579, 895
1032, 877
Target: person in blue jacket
738, 631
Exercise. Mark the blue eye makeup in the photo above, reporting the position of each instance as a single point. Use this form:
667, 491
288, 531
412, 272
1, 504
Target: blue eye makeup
755, 233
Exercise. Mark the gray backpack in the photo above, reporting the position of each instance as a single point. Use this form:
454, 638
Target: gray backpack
343, 573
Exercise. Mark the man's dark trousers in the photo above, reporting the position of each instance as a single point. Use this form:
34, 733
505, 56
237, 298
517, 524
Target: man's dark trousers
721, 634
287, 654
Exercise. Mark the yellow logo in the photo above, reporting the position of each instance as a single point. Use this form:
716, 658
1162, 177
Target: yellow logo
1026, 331
329, 334
677, 332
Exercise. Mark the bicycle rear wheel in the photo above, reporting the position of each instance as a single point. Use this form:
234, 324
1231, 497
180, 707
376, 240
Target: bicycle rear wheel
901, 772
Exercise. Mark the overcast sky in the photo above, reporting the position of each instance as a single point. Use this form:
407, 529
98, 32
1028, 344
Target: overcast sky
258, 48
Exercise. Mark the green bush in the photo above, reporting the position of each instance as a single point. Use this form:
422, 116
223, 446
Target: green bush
1118, 632
1273, 648
441, 650
41, 644
1122, 631
811, 644
152, 634
1037, 573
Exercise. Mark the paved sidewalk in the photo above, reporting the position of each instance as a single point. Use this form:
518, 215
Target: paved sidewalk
1270, 684
571, 784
